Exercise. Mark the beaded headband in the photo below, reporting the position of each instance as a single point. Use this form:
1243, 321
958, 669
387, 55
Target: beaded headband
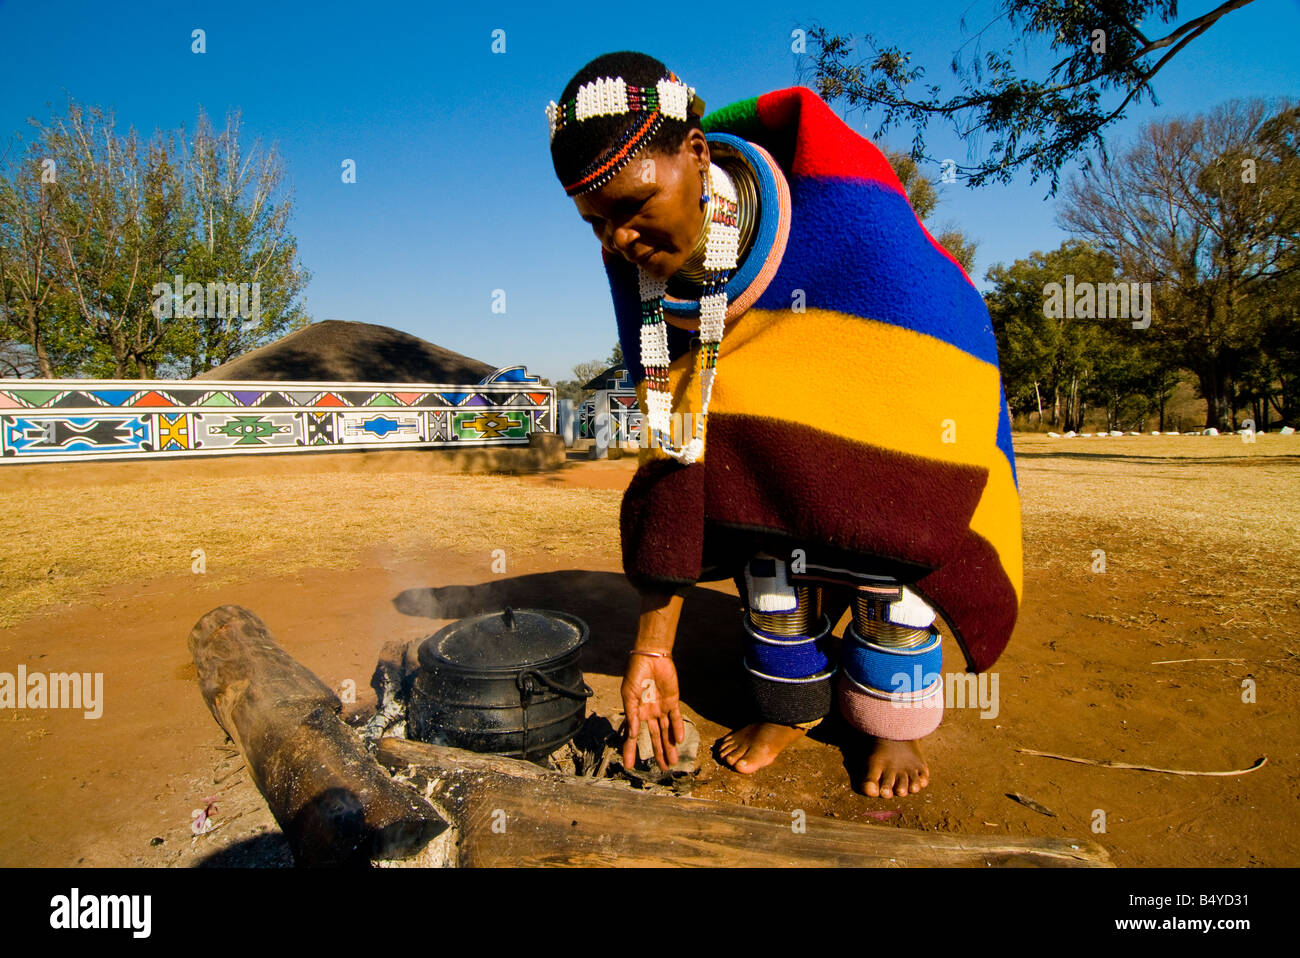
613, 96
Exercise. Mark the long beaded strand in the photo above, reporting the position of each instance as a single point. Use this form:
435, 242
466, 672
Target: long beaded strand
722, 250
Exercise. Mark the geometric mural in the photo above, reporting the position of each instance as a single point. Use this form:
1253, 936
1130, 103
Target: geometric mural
62, 420
616, 398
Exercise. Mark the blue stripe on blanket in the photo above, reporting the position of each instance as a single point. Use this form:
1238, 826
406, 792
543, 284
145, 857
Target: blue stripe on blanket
883, 267
1004, 435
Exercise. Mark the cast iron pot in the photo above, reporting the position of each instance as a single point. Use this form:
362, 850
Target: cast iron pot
503, 682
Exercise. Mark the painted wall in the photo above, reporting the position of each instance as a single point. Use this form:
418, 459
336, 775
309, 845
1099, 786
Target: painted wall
47, 420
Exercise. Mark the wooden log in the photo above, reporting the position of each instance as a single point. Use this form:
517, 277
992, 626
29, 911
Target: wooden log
512, 813
333, 801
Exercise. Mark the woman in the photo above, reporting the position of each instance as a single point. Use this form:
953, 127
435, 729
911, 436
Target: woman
841, 433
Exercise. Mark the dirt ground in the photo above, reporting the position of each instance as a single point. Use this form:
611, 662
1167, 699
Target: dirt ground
1160, 626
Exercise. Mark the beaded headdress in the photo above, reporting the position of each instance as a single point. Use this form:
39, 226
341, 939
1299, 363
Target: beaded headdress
613, 96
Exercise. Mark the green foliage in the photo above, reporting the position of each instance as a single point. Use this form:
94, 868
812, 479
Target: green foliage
1071, 363
1207, 210
1028, 122
95, 226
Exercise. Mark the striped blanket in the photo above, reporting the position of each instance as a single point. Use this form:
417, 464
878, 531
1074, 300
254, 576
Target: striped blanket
857, 412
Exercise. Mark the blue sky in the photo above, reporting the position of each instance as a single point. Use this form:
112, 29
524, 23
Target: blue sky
455, 196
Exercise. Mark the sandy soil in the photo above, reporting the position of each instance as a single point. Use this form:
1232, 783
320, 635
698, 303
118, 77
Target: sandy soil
1200, 539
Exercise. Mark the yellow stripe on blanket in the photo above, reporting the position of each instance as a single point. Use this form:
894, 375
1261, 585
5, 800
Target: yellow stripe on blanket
997, 520
816, 369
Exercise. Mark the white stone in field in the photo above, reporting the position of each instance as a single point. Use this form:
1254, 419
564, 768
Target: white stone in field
1071, 434
1054, 435
1133, 432
1210, 431
1155, 432
1086, 435
1172, 432
1287, 431
1116, 432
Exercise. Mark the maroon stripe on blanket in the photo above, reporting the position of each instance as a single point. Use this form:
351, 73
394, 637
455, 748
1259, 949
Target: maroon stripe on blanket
977, 600
794, 484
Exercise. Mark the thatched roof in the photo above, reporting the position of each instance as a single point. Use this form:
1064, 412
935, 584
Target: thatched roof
339, 351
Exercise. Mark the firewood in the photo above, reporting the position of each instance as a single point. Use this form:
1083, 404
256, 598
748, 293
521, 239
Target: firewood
334, 803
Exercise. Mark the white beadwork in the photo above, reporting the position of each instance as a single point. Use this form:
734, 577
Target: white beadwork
721, 182
713, 313
718, 253
607, 96
654, 347
722, 247
722, 240
651, 286
674, 98
694, 450
658, 404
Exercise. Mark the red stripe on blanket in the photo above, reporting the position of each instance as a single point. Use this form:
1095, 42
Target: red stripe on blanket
826, 145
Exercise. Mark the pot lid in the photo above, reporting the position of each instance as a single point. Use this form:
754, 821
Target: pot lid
504, 640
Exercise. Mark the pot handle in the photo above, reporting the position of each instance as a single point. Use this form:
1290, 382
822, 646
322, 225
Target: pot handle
526, 686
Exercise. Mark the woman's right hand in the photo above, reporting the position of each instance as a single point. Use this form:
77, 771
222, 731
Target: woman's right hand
650, 696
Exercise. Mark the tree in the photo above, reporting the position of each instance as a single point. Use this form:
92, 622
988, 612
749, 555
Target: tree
923, 196
241, 235
119, 226
1206, 210
97, 230
37, 338
1058, 362
584, 372
1039, 123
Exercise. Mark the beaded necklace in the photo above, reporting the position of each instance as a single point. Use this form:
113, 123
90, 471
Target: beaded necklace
721, 255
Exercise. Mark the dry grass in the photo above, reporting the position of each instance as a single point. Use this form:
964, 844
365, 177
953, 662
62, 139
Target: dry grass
1213, 521
62, 544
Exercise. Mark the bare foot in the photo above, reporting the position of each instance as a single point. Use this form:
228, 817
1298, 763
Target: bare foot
894, 769
756, 746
